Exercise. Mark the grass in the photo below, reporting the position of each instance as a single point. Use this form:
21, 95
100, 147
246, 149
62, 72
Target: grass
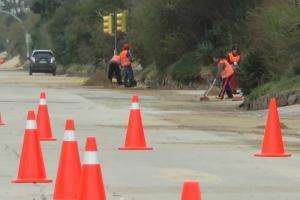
284, 85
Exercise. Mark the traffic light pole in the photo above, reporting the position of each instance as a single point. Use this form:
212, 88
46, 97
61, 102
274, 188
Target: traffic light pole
115, 34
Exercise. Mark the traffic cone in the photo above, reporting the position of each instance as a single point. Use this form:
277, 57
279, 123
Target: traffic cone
43, 120
1, 121
135, 138
272, 145
68, 173
91, 183
31, 167
191, 190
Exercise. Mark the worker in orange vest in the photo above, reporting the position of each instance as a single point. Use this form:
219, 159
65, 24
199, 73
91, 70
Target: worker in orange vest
226, 72
114, 68
234, 59
126, 61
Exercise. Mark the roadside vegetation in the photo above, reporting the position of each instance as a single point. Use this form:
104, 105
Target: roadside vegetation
173, 40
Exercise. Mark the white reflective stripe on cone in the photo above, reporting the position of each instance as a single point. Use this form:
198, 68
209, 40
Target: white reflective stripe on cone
30, 124
90, 158
135, 106
69, 135
43, 102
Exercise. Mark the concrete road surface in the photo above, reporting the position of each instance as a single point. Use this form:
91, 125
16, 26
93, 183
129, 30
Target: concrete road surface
211, 142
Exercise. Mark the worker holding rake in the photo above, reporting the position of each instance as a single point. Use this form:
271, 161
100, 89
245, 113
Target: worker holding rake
226, 72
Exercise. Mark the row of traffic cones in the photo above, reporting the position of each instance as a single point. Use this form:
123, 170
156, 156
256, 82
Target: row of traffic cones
31, 168
70, 172
272, 145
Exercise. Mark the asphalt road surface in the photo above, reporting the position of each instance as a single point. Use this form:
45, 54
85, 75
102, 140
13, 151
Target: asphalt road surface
212, 142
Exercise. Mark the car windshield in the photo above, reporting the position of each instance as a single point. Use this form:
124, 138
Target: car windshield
40, 55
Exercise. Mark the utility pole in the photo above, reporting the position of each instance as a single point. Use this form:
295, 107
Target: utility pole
115, 34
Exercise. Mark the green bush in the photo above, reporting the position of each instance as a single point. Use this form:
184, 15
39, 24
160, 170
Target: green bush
148, 73
273, 32
204, 52
253, 73
186, 70
283, 85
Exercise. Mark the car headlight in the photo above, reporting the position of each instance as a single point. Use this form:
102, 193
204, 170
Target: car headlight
32, 59
52, 60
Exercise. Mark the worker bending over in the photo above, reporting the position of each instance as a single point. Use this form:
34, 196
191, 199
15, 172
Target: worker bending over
226, 72
114, 69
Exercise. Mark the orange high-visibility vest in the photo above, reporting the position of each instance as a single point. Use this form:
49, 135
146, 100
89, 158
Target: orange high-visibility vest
124, 59
234, 58
115, 59
227, 69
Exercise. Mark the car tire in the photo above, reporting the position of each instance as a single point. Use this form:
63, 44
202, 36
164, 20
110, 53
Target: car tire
54, 73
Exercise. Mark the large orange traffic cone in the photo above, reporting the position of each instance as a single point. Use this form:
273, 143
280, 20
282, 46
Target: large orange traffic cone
69, 168
191, 191
43, 120
135, 138
272, 145
1, 120
91, 183
31, 168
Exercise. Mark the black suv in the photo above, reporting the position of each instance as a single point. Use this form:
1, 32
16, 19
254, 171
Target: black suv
42, 61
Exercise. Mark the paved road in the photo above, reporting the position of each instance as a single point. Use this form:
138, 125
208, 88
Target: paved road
221, 160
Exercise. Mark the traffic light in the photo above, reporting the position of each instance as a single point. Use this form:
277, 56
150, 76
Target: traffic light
121, 22
108, 24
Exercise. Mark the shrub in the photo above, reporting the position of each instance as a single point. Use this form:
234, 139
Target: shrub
253, 73
204, 52
148, 73
186, 69
273, 32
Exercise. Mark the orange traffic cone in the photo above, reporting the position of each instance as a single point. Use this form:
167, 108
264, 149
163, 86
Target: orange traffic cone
91, 182
69, 168
43, 120
31, 168
191, 191
135, 138
272, 145
1, 121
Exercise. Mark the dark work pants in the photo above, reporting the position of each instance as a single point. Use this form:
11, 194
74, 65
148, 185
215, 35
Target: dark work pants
129, 77
226, 88
114, 71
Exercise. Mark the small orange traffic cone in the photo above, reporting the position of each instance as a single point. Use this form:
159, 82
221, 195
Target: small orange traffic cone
1, 120
31, 168
68, 173
91, 183
191, 190
272, 145
135, 138
43, 120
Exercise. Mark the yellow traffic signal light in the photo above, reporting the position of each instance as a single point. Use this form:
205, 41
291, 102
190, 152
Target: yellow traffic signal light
108, 24
121, 22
